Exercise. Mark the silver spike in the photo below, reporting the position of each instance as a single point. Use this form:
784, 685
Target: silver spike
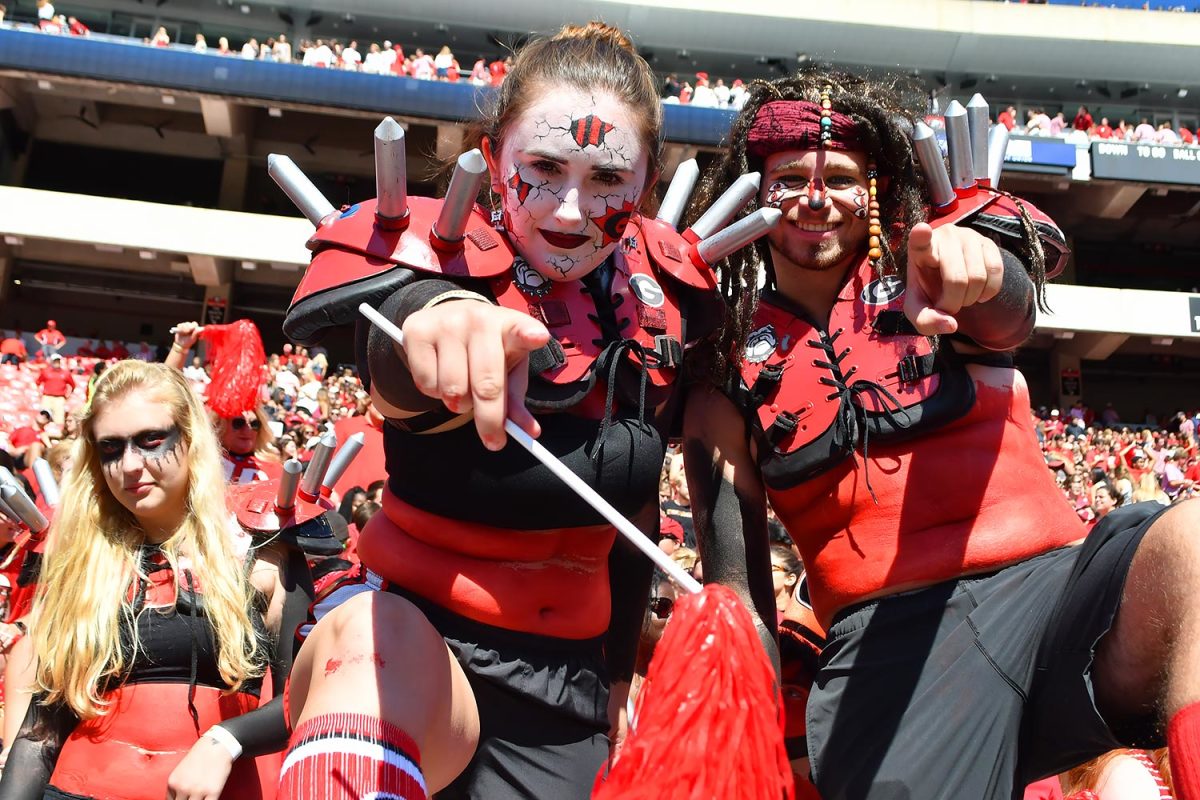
978, 119
310, 486
675, 200
391, 171
47, 485
738, 235
468, 176
958, 146
727, 205
5, 511
342, 459
24, 508
930, 157
289, 484
997, 145
7, 478
299, 189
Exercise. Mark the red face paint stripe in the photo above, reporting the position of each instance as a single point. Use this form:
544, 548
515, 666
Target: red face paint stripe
520, 187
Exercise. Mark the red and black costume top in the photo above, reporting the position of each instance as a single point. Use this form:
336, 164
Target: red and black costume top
495, 537
169, 695
894, 465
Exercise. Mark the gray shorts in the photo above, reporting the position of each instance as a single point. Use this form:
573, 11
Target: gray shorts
975, 688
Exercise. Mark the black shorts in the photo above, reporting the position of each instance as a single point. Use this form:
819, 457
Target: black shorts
543, 709
975, 688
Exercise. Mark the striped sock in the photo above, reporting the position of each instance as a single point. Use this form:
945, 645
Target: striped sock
351, 756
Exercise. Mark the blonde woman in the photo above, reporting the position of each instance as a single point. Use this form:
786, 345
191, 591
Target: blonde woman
149, 648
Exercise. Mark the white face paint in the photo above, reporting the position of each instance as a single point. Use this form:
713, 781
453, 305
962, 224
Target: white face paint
570, 171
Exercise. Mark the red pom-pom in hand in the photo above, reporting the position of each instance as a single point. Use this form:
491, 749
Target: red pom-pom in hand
709, 715
239, 364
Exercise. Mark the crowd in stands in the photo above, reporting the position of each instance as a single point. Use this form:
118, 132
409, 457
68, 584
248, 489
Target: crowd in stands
1144, 5
704, 94
389, 58
303, 395
1084, 127
1102, 464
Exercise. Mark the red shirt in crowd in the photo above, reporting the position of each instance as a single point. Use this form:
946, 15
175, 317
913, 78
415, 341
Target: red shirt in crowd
12, 346
51, 337
498, 70
1006, 119
23, 437
120, 351
56, 382
1083, 121
1103, 131
1186, 136
104, 352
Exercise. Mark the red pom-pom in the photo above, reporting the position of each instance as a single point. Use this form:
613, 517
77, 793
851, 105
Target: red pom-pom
709, 717
239, 365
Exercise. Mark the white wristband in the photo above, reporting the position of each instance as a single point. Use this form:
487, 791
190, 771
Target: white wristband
226, 740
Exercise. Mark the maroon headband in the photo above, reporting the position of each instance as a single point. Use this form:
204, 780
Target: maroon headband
796, 125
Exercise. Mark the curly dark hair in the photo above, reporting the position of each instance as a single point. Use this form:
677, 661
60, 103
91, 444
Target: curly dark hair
884, 109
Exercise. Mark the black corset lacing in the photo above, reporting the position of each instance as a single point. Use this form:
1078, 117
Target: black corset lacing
612, 332
852, 416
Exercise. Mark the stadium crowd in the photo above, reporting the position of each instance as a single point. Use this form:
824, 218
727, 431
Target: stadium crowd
1083, 126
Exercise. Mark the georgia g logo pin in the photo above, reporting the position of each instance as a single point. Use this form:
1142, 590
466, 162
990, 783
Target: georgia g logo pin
883, 290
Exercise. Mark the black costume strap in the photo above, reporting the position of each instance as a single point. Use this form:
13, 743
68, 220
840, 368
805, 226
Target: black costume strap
547, 358
893, 323
769, 378
784, 425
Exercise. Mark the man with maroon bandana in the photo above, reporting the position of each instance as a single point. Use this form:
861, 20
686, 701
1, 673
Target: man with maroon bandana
972, 647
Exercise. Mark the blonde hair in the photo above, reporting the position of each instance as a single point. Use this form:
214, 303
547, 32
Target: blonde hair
82, 610
1147, 488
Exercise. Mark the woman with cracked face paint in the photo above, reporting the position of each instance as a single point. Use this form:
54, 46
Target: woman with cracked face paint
511, 608
149, 640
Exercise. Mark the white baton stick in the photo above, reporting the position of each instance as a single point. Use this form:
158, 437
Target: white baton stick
590, 495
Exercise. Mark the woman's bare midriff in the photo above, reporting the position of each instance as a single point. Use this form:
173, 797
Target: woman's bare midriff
546, 582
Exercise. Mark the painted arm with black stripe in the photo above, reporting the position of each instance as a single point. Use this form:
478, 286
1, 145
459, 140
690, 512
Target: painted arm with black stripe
729, 507
1007, 320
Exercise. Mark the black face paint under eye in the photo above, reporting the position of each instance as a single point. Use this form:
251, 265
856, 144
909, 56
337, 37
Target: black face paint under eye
152, 445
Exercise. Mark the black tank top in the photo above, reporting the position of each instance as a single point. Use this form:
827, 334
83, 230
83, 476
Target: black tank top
176, 643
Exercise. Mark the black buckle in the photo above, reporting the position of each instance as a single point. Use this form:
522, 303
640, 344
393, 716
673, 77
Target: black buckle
768, 378
547, 358
668, 352
784, 425
912, 367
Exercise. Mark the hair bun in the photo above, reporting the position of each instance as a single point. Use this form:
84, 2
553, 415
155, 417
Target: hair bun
598, 32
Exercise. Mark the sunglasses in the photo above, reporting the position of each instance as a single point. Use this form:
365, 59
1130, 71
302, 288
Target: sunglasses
662, 607
238, 423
